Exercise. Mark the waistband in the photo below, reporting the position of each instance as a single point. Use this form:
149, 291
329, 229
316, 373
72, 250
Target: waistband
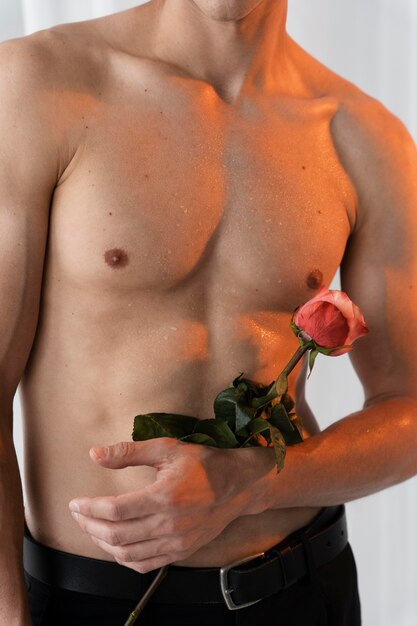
239, 584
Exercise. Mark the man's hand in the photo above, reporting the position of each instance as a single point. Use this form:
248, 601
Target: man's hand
198, 491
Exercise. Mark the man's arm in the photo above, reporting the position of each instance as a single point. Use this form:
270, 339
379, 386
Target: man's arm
28, 173
376, 447
199, 490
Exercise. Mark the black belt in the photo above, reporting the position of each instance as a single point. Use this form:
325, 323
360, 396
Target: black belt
239, 584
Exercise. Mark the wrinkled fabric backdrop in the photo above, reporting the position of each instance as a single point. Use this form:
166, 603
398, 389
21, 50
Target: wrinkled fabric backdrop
374, 44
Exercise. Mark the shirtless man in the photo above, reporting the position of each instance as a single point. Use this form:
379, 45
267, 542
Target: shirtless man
175, 179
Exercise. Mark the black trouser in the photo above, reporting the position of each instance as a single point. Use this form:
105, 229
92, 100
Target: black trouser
326, 597
329, 600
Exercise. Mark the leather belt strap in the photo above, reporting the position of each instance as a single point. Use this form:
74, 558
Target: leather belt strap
249, 582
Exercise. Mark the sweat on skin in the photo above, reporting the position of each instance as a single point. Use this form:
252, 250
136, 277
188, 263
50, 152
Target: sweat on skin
223, 219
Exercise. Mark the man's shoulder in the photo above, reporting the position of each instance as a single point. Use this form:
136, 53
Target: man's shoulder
373, 144
366, 124
378, 153
45, 78
78, 56
58, 56
24, 62
357, 113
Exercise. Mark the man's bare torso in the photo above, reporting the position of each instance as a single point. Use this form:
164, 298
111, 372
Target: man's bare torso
183, 233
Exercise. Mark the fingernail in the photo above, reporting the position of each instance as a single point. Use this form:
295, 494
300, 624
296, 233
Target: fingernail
100, 451
75, 515
74, 507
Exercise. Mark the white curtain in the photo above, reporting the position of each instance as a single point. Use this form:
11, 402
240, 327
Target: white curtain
374, 44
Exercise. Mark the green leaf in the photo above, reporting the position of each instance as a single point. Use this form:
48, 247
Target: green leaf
200, 438
317, 349
288, 402
251, 389
236, 380
281, 384
328, 351
311, 361
272, 392
230, 405
279, 418
219, 430
295, 328
299, 426
288, 428
277, 388
255, 427
144, 427
151, 425
279, 446
254, 389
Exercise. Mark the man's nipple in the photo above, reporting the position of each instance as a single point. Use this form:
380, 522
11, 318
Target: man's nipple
315, 279
116, 258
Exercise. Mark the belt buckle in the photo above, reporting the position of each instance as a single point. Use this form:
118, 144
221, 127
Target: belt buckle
227, 590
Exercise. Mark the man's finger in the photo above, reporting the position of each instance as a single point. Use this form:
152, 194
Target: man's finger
132, 552
152, 453
148, 565
117, 508
121, 533
148, 555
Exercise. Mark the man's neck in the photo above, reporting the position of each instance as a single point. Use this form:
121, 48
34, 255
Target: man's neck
235, 56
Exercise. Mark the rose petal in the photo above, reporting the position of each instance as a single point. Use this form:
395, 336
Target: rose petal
332, 320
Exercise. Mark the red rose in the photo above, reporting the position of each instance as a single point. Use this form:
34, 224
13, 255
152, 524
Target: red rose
331, 320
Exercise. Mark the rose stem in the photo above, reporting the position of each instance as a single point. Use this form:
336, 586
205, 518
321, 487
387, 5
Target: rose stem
295, 358
150, 591
289, 367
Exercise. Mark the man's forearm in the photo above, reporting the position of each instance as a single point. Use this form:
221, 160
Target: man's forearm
357, 456
199, 490
13, 598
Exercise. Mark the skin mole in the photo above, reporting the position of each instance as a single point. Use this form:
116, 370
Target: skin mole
314, 279
116, 258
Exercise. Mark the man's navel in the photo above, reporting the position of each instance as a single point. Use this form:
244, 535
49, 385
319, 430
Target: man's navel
315, 279
116, 258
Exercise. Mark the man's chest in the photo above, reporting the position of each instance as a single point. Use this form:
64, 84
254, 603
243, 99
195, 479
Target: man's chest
175, 191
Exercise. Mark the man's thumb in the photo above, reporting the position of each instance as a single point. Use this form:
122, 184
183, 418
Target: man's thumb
125, 453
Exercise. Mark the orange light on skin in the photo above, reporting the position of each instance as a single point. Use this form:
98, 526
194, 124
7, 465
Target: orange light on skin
269, 334
192, 338
69, 105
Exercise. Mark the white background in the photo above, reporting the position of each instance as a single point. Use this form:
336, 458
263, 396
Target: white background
374, 44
